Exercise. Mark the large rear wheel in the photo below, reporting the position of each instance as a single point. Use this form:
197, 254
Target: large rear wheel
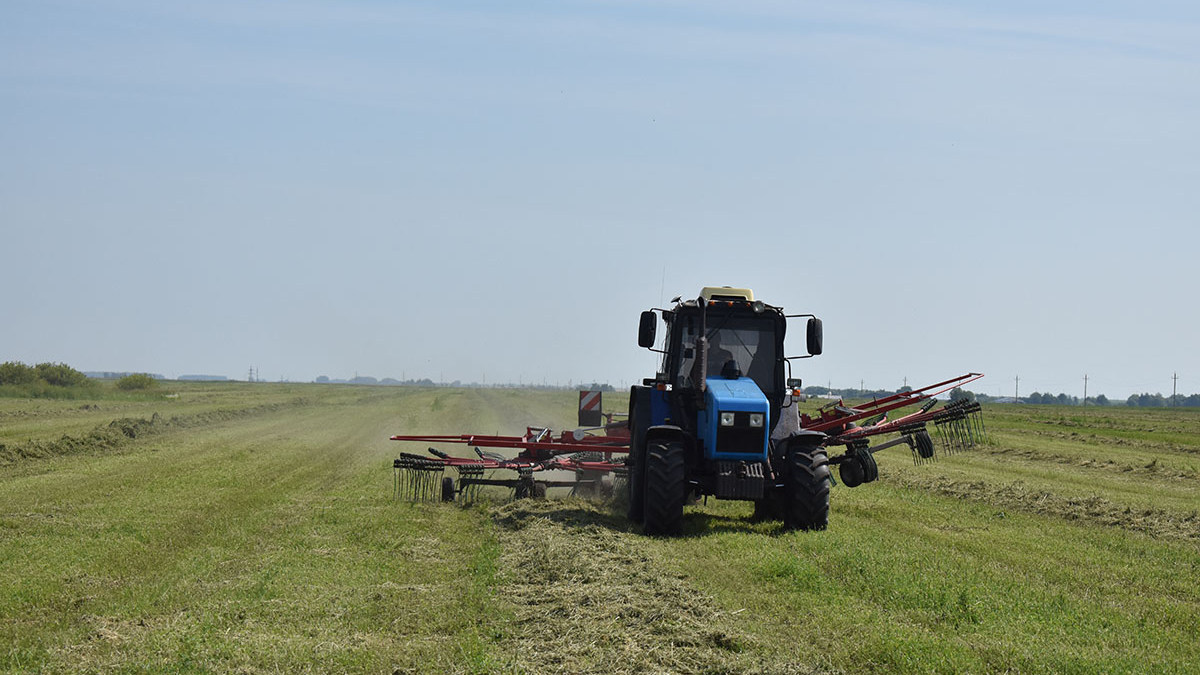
665, 488
806, 487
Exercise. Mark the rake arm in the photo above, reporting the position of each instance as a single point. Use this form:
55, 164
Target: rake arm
416, 476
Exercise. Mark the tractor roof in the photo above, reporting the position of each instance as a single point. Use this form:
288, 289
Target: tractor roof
726, 293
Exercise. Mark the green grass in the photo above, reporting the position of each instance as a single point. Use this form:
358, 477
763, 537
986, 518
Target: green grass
268, 542
251, 528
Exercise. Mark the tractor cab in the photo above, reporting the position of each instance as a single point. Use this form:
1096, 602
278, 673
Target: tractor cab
728, 335
740, 339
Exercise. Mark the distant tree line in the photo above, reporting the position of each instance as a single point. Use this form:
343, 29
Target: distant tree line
816, 390
426, 382
1036, 398
52, 374
1160, 401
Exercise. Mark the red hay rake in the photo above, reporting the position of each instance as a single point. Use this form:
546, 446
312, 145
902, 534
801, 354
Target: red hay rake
590, 458
598, 461
959, 424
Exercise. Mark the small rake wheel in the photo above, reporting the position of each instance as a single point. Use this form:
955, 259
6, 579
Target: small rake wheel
870, 468
851, 472
924, 444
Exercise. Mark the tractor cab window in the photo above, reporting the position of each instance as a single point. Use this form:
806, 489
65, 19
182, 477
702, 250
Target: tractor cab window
749, 343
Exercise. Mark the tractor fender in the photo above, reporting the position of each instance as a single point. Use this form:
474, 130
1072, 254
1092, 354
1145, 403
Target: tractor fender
807, 437
666, 433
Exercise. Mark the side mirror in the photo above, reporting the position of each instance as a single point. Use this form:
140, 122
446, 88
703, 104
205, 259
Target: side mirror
815, 336
647, 329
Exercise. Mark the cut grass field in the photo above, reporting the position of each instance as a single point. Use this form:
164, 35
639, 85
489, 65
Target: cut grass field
251, 528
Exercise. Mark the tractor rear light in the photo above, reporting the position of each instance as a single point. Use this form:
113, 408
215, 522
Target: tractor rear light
726, 419
756, 419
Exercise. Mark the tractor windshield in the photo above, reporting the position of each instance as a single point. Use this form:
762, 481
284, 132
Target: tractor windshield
748, 342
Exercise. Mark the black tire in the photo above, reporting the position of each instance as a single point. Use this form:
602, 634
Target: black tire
539, 490
806, 488
447, 489
665, 488
924, 444
636, 483
851, 472
870, 468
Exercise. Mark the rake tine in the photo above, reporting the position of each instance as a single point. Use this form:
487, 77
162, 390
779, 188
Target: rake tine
912, 448
469, 491
977, 419
959, 434
944, 436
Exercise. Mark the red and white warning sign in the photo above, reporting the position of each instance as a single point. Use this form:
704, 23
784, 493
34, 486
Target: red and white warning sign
589, 409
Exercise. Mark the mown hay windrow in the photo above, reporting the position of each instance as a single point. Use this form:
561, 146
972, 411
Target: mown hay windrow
1160, 523
1152, 469
109, 437
587, 596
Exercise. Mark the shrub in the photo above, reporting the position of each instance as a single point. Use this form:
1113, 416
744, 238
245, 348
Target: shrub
13, 372
60, 375
136, 381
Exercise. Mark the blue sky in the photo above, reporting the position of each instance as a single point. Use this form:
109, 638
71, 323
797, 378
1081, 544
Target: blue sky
493, 190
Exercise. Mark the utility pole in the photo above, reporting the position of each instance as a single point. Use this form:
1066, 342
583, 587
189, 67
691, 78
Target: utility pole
1085, 389
1017, 390
1174, 385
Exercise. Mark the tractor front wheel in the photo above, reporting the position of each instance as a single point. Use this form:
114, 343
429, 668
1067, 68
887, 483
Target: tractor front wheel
665, 482
635, 480
806, 488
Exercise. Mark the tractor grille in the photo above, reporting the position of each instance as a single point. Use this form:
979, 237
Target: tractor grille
741, 437
740, 480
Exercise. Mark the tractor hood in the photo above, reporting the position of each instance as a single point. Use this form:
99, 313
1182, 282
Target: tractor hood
735, 421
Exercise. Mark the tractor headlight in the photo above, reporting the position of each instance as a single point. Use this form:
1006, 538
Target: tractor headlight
756, 419
726, 419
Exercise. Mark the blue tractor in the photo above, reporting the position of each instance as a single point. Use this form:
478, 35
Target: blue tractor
718, 418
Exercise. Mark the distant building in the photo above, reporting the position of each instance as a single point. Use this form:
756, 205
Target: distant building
204, 378
105, 375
